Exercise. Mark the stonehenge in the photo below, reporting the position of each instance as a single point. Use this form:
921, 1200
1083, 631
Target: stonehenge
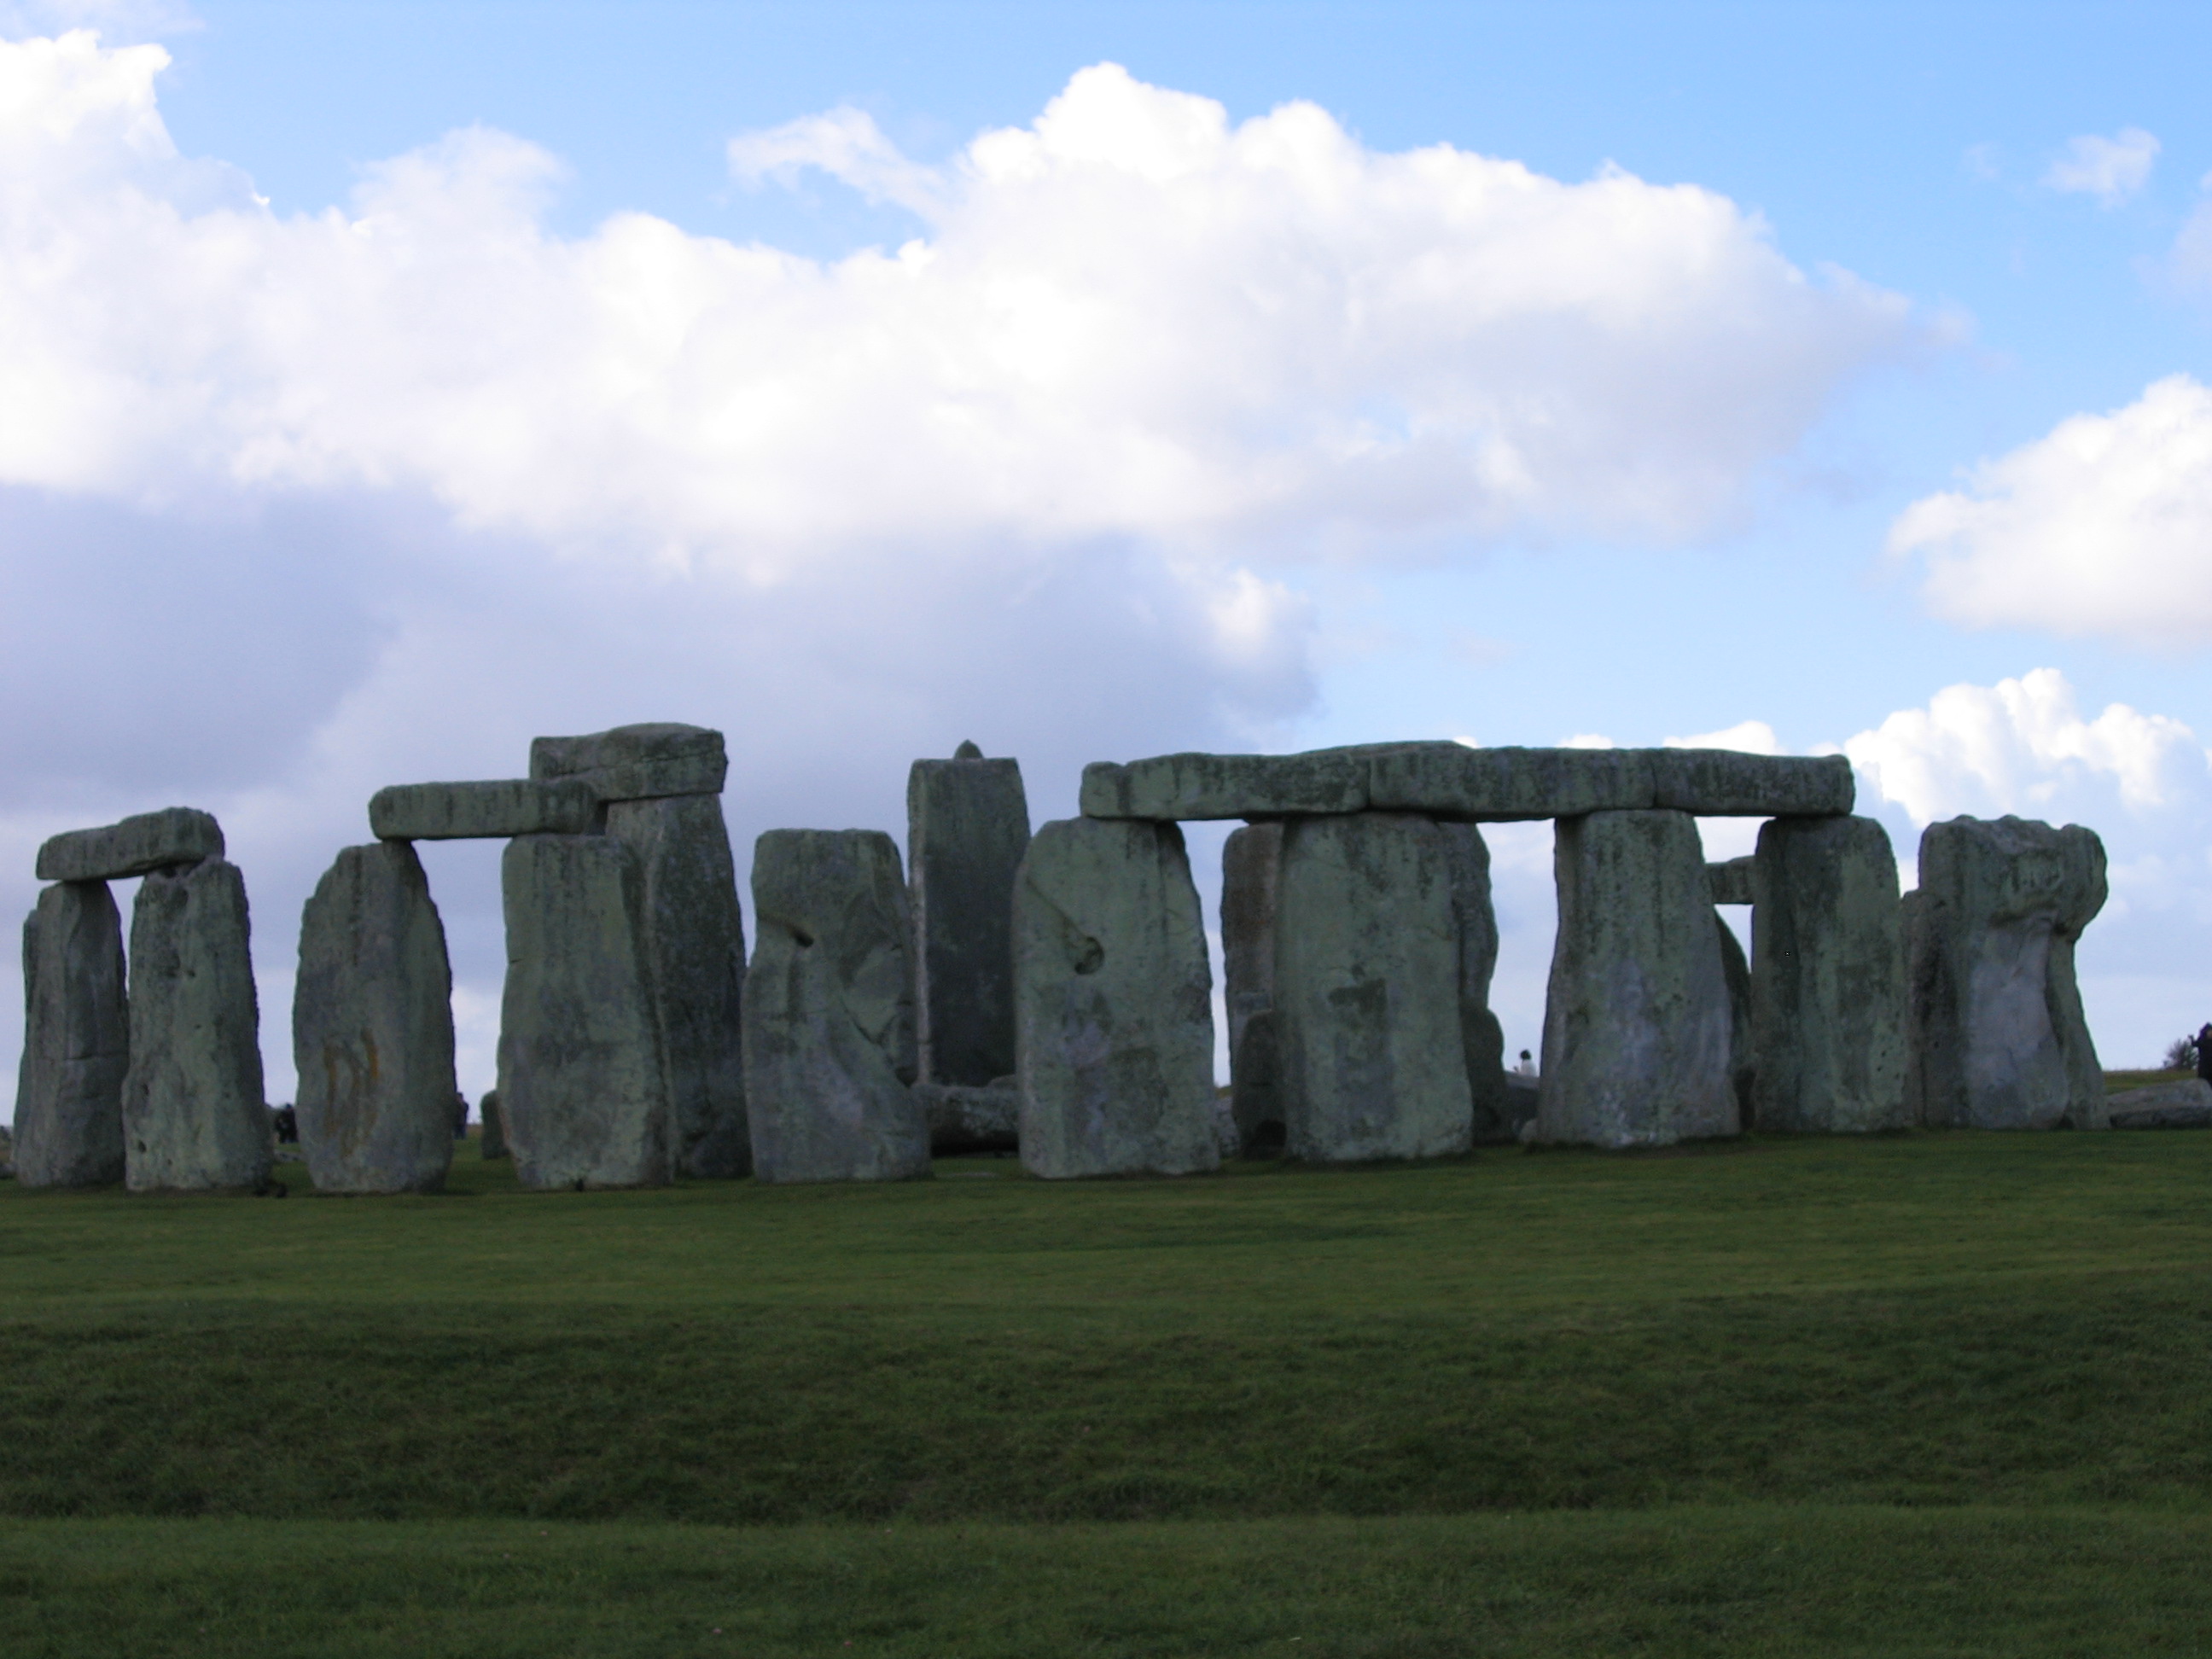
77, 1040
1251, 870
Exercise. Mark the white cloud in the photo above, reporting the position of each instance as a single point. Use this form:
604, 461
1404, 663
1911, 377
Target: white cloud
2110, 169
1752, 737
2102, 526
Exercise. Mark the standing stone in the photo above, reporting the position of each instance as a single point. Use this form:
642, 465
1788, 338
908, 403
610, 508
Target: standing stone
1736, 967
77, 1040
372, 1028
968, 825
1481, 1037
1636, 1026
695, 935
193, 1116
580, 1083
1997, 1039
491, 1141
830, 1046
1113, 1003
1367, 991
1251, 867
1827, 979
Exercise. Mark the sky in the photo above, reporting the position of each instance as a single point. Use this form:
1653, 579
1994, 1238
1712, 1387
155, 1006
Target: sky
384, 384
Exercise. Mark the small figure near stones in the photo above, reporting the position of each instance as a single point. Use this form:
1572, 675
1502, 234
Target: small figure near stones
2204, 1051
285, 1121
1528, 1065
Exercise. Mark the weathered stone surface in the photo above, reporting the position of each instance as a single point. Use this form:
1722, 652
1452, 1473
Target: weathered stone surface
1449, 780
135, 846
1113, 1003
482, 811
193, 1116
1828, 979
1482, 1041
695, 939
1728, 783
581, 1087
1251, 868
1735, 968
1636, 1026
1177, 786
2184, 1105
828, 1022
1996, 1037
635, 763
968, 825
1367, 991
1735, 881
77, 1040
1523, 1097
372, 1028
491, 1139
964, 1119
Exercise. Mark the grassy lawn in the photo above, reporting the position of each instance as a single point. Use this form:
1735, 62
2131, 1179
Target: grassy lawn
1929, 1393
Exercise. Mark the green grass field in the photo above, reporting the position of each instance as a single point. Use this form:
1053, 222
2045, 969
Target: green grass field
1921, 1394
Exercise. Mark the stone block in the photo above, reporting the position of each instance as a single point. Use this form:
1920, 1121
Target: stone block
1251, 870
492, 810
581, 1087
1637, 1028
828, 1020
1113, 1003
1828, 979
194, 1118
2184, 1105
1170, 787
491, 1139
695, 937
1482, 1041
1367, 991
1744, 1071
1728, 783
1451, 780
966, 1119
77, 1040
636, 763
373, 1027
1996, 1036
968, 825
1734, 881
135, 846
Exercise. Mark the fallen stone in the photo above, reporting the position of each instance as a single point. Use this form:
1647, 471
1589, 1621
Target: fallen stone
1367, 998
1251, 869
965, 1119
695, 939
1482, 1040
1451, 780
372, 1028
828, 1019
135, 846
1113, 1003
1637, 1025
194, 1117
1734, 881
1828, 980
1192, 786
77, 1040
968, 825
636, 763
1726, 783
581, 1087
1996, 1036
491, 1139
482, 811
2184, 1105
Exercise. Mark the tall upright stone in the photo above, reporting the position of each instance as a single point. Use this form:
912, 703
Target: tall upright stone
1735, 968
1637, 1024
77, 1040
829, 1019
1251, 869
1482, 1040
1827, 979
1113, 1003
373, 1027
694, 937
491, 1136
581, 1086
1995, 1035
968, 825
1367, 990
194, 1119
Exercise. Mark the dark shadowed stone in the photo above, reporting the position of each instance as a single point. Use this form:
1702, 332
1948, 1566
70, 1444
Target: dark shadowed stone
1828, 979
77, 1040
971, 1119
1726, 783
1736, 969
1637, 1027
1251, 866
580, 1083
2184, 1105
482, 811
491, 1142
135, 846
968, 825
372, 1028
1481, 1038
1113, 1003
1178, 787
694, 936
1367, 991
633, 763
193, 1116
1734, 881
1996, 1037
828, 1023
1452, 780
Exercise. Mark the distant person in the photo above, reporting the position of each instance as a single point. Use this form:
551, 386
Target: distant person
2204, 1051
1528, 1066
461, 1115
286, 1121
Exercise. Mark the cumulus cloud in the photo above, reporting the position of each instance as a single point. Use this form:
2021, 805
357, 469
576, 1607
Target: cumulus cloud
2110, 169
2102, 526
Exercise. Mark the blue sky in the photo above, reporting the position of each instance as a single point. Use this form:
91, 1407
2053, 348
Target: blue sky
392, 382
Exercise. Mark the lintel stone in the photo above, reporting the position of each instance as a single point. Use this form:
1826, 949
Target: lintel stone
135, 846
636, 763
495, 810
1732, 880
